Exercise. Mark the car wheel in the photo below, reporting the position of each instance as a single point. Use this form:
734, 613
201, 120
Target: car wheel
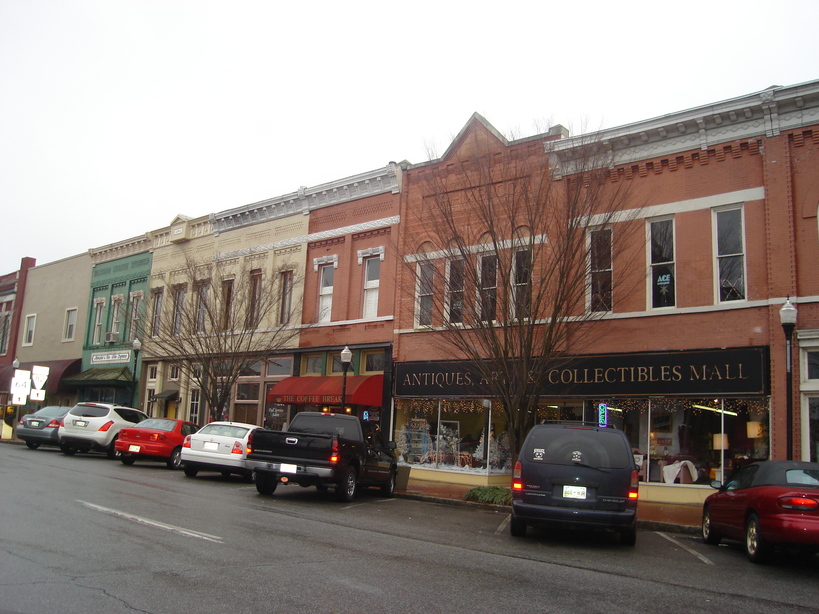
709, 535
191, 470
756, 548
111, 451
127, 459
628, 537
68, 449
266, 483
345, 489
517, 527
175, 461
388, 489
32, 445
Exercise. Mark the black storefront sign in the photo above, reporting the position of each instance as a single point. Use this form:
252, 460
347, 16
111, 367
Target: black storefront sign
718, 372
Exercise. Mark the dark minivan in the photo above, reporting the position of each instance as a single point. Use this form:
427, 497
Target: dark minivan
576, 476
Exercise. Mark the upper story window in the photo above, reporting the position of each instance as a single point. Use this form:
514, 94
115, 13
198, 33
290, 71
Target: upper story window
730, 250
96, 334
28, 334
116, 315
227, 304
372, 275
373, 361
663, 292
455, 290
5, 327
156, 322
425, 290
285, 296
179, 293
281, 365
326, 275
600, 268
313, 364
136, 313
522, 285
201, 306
70, 324
813, 364
152, 371
488, 292
173, 372
255, 290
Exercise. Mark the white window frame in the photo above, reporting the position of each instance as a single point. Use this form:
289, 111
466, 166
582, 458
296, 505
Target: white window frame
194, 404
450, 291
481, 289
590, 286
116, 313
651, 265
135, 303
96, 331
325, 306
28, 331
286, 281
422, 292
370, 302
516, 285
70, 323
717, 256
157, 300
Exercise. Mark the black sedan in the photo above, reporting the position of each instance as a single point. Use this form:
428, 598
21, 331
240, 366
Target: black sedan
766, 504
40, 428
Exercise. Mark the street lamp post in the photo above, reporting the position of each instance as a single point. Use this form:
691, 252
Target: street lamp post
787, 316
136, 346
346, 358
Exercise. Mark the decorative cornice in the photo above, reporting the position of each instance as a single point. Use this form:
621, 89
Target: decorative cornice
765, 113
316, 236
120, 249
305, 200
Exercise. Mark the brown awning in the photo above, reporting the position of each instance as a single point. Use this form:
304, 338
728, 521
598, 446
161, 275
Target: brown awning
361, 390
101, 376
57, 370
165, 395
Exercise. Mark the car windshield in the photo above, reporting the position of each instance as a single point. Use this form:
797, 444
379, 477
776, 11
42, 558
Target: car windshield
89, 411
53, 411
223, 430
571, 446
807, 477
159, 424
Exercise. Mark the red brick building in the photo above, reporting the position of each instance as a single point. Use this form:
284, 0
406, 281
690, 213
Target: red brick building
688, 353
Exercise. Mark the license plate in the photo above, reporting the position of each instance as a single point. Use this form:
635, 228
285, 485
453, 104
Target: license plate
211, 446
133, 448
574, 492
287, 468
80, 422
35, 423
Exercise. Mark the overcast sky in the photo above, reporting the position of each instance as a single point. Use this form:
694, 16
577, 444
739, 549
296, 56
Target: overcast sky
116, 115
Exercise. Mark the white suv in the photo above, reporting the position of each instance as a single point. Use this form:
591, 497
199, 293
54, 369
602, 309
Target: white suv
95, 426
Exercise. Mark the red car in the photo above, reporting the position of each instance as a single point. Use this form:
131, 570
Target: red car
154, 439
766, 504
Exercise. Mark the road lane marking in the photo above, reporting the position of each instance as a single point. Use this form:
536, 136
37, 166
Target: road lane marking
503, 524
154, 523
704, 559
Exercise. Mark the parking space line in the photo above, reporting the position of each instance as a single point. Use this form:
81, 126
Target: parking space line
154, 524
704, 559
503, 524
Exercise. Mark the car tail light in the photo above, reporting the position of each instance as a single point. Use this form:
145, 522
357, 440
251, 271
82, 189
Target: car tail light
634, 488
157, 436
517, 483
249, 444
107, 425
238, 448
54, 424
187, 442
21, 422
801, 504
334, 452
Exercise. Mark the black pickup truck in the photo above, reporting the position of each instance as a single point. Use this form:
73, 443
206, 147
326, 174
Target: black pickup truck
323, 450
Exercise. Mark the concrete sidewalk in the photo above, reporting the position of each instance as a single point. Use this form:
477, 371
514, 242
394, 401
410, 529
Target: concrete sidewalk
651, 515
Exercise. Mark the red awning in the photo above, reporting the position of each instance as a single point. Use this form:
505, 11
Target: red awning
57, 369
361, 390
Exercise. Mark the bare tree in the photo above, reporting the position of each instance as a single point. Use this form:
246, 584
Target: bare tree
213, 320
522, 241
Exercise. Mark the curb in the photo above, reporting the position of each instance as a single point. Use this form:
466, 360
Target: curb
648, 525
